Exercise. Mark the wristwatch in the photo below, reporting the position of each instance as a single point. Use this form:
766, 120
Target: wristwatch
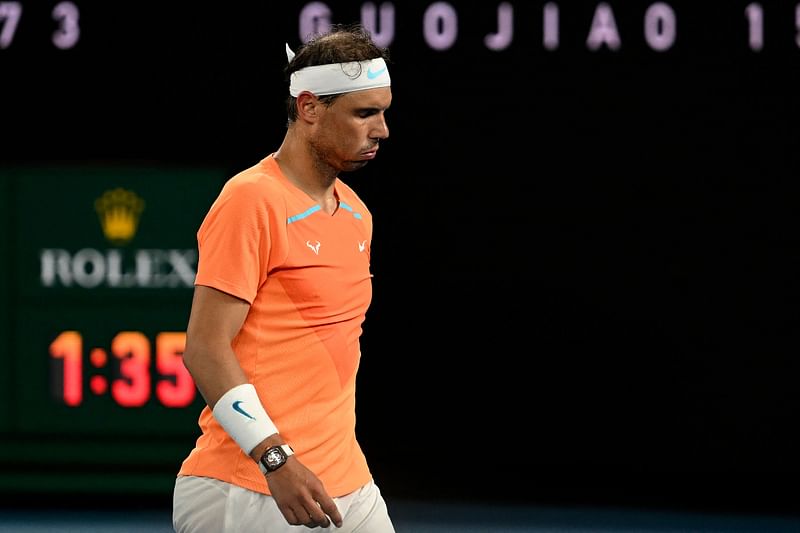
275, 457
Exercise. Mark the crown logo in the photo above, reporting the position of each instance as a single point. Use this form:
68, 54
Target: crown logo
119, 211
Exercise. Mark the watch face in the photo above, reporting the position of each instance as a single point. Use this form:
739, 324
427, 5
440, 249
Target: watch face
274, 458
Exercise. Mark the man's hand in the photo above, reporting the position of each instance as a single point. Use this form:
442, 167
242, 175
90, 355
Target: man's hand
301, 497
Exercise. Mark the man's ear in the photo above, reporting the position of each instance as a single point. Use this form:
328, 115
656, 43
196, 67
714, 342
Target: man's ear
307, 107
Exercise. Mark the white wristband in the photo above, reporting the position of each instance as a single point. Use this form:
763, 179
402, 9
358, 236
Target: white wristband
241, 414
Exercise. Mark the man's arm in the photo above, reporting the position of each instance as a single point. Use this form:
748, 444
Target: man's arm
215, 319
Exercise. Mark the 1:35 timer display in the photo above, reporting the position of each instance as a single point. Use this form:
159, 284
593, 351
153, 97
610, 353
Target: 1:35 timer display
125, 371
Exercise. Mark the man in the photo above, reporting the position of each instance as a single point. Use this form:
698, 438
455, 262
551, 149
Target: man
282, 288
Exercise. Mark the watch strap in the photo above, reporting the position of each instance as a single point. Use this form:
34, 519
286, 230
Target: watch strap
287, 450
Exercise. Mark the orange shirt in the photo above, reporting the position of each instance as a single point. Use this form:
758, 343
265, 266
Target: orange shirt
306, 275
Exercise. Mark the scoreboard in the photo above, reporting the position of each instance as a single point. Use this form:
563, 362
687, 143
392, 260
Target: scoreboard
98, 270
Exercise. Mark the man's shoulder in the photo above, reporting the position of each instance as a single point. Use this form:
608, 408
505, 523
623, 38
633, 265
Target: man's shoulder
259, 179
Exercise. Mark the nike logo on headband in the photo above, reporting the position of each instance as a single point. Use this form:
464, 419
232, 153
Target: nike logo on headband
372, 75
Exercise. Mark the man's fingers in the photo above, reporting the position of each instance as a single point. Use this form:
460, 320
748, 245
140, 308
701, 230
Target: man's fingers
292, 517
330, 509
318, 518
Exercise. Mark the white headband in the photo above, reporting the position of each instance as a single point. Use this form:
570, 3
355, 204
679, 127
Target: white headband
336, 78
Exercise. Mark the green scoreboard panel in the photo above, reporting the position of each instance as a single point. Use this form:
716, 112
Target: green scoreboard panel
99, 265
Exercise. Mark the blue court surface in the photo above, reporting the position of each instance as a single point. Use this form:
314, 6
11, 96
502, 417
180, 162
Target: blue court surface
414, 517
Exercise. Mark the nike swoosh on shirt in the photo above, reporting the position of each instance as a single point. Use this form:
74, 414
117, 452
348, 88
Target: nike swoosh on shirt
240, 410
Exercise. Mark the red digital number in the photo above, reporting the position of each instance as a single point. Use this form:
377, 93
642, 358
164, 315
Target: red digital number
132, 387
68, 347
133, 350
169, 362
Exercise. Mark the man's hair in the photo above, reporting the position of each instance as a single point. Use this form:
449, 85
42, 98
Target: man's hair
343, 43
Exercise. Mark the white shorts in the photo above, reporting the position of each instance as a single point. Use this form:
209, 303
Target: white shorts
203, 505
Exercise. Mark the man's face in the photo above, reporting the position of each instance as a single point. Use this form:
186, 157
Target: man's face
349, 130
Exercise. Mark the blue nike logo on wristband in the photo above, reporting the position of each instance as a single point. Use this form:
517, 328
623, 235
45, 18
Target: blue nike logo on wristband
240, 410
372, 75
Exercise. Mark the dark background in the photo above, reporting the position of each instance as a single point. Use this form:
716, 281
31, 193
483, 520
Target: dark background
585, 261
